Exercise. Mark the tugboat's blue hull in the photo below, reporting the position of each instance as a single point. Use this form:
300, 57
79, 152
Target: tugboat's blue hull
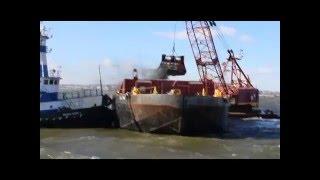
94, 117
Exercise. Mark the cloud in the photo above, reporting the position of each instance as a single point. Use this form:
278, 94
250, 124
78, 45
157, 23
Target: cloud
225, 30
228, 31
262, 70
245, 38
180, 35
265, 77
107, 63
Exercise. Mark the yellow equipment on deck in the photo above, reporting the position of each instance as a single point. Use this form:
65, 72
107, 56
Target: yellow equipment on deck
155, 90
176, 92
204, 92
217, 93
135, 91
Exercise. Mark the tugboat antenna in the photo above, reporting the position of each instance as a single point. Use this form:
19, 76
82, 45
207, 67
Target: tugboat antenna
100, 81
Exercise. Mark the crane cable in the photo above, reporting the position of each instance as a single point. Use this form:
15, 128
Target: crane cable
174, 40
219, 35
222, 39
226, 46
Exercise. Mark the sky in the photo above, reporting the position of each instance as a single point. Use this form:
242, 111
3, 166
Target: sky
79, 47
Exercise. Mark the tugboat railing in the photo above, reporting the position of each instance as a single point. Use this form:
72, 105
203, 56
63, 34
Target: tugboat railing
78, 94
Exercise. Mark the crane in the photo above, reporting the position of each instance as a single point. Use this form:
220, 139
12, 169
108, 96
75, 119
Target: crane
239, 91
205, 54
238, 77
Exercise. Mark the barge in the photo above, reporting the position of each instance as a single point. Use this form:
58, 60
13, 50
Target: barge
170, 107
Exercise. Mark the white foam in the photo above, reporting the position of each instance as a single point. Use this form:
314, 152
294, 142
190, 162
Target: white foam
95, 157
50, 156
87, 138
171, 150
198, 154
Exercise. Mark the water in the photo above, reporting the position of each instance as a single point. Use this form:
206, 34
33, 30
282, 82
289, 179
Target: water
250, 138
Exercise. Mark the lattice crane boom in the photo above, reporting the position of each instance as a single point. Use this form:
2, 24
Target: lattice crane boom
205, 54
241, 79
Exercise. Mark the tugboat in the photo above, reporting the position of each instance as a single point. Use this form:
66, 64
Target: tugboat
86, 108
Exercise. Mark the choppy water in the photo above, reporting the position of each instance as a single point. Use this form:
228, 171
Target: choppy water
247, 139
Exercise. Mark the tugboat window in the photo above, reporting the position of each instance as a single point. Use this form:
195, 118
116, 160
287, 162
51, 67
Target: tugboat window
46, 81
51, 82
55, 82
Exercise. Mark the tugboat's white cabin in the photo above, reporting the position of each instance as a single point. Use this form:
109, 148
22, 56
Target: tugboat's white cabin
49, 84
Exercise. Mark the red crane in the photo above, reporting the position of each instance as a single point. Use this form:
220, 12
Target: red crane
205, 54
240, 92
238, 77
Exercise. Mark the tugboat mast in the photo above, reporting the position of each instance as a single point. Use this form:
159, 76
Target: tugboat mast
43, 52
